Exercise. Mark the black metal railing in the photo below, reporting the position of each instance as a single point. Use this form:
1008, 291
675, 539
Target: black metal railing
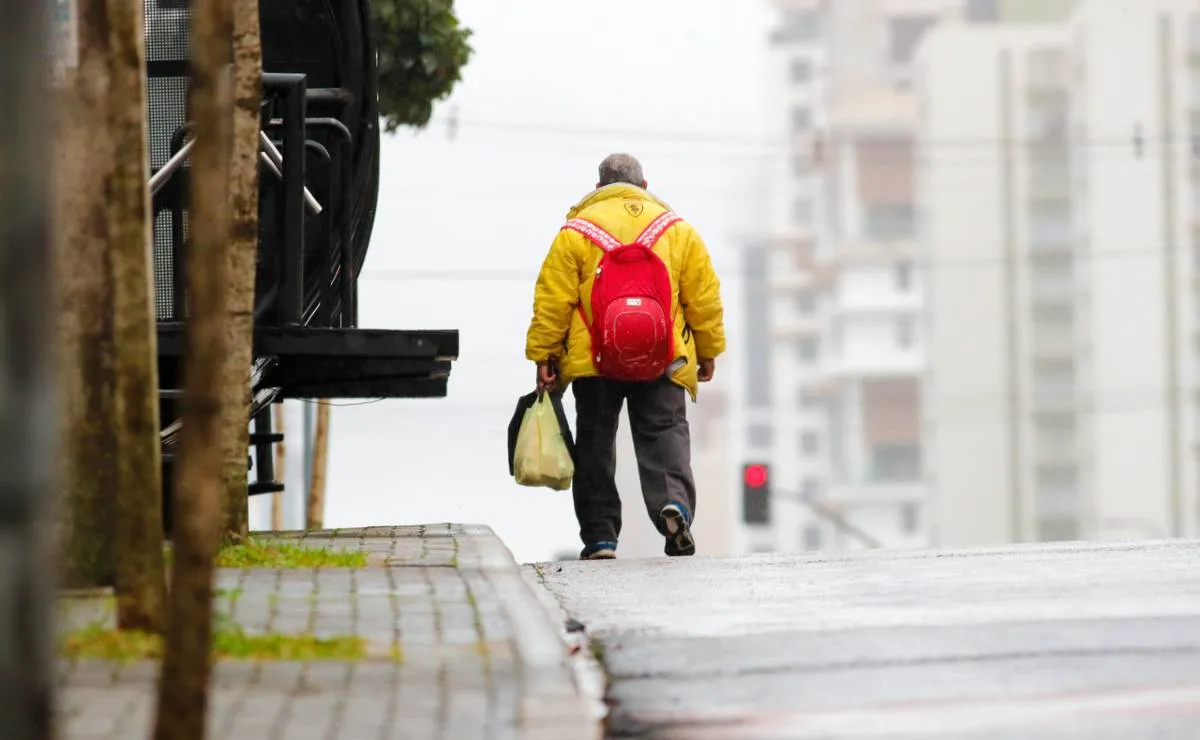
307, 261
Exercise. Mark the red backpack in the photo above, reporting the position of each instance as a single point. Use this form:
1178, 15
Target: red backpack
632, 330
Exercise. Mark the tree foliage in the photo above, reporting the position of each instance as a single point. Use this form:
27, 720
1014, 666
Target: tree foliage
421, 51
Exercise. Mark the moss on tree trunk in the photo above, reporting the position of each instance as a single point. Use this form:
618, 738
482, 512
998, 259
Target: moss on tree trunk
84, 355
242, 256
140, 577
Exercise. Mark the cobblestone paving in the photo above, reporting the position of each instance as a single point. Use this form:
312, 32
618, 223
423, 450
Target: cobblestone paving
458, 647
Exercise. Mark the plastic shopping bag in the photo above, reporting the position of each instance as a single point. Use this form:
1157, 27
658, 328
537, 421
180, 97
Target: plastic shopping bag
541, 451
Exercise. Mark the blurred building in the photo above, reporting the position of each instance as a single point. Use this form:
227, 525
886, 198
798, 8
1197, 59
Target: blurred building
846, 348
1058, 208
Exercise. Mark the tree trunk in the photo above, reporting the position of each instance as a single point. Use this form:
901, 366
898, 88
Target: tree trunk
26, 382
84, 313
200, 490
280, 472
140, 577
316, 487
243, 257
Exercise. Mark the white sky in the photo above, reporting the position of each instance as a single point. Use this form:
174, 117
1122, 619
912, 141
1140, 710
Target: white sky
493, 198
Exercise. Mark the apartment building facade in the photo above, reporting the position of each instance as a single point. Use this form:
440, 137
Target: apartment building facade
845, 296
1058, 203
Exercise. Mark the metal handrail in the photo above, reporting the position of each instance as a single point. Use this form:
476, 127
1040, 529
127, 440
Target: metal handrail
269, 154
160, 178
276, 162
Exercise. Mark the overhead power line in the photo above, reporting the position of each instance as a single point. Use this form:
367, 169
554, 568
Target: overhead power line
530, 273
1134, 141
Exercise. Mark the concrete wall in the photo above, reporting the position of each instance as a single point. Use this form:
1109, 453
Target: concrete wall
961, 194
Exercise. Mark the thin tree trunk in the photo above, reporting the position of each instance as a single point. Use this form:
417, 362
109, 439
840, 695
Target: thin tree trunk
200, 491
243, 257
140, 577
27, 429
280, 472
320, 462
84, 313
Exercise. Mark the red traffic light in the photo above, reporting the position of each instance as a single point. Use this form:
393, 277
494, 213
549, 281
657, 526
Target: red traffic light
755, 475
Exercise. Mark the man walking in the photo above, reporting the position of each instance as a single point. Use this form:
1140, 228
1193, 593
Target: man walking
627, 307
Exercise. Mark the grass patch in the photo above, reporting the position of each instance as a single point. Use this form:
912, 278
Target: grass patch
285, 555
98, 641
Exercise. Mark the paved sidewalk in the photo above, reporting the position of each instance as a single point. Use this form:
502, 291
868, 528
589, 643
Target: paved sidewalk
481, 657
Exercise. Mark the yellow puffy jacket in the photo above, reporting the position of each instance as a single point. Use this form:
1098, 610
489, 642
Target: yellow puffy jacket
557, 331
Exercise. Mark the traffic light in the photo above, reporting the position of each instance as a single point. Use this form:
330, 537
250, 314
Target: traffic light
756, 493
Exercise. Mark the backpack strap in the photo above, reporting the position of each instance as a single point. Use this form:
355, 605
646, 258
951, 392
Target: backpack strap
657, 228
606, 241
594, 233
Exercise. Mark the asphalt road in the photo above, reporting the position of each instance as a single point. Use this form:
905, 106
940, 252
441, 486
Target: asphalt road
1060, 641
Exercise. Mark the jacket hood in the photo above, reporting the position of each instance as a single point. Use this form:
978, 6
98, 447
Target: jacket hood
609, 192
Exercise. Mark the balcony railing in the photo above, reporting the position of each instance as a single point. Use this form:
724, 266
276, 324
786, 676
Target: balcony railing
1048, 343
1055, 289
1059, 397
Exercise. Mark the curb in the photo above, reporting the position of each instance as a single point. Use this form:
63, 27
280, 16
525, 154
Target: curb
590, 676
554, 704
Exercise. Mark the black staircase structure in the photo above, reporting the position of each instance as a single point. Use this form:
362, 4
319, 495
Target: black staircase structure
319, 182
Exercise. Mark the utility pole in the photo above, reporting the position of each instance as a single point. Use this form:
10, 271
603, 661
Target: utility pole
320, 462
840, 523
280, 471
27, 413
307, 459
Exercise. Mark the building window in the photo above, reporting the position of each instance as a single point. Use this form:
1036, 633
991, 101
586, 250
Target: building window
904, 332
1050, 67
909, 519
809, 399
811, 537
801, 165
1193, 34
801, 71
1048, 125
904, 277
904, 33
1053, 381
983, 11
896, 463
802, 212
810, 487
1049, 224
755, 331
801, 119
1058, 529
798, 25
759, 435
809, 443
890, 221
809, 348
806, 302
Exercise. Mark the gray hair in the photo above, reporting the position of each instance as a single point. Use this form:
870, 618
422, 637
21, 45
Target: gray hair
621, 168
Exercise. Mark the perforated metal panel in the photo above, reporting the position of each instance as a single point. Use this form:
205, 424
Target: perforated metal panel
167, 51
327, 41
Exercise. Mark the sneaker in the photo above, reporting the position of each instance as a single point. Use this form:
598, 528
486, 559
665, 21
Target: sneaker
599, 551
679, 531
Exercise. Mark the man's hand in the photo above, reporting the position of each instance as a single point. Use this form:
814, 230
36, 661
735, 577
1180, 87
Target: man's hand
547, 375
707, 367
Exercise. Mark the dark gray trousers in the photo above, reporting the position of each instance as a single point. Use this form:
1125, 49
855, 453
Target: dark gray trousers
661, 439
